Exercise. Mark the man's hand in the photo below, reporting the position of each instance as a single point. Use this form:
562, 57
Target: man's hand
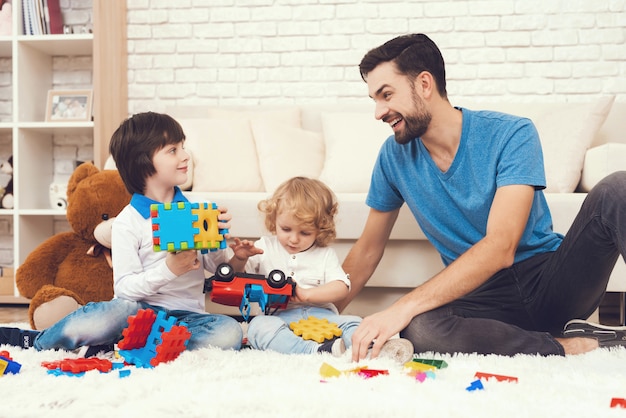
377, 329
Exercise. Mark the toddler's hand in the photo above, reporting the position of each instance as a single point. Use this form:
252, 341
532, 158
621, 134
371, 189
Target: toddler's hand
244, 249
181, 262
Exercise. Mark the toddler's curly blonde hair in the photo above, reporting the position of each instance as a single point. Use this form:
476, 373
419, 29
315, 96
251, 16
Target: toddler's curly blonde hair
310, 201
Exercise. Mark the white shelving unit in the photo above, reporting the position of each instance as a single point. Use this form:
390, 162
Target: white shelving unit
32, 137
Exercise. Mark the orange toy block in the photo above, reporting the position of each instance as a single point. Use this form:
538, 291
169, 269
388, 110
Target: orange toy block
618, 402
498, 377
315, 329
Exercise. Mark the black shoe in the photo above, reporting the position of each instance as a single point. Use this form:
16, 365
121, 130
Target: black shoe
336, 347
17, 337
607, 336
95, 350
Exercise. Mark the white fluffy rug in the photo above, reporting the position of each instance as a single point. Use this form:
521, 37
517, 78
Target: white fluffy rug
215, 383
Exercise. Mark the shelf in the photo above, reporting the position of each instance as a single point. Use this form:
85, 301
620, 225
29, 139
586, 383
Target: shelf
58, 128
5, 47
55, 45
42, 212
18, 300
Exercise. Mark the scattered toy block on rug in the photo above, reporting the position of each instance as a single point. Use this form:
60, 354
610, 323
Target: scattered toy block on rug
7, 365
618, 402
315, 329
164, 342
498, 377
475, 385
439, 364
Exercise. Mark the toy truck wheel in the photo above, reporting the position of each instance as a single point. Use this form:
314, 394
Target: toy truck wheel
276, 279
224, 273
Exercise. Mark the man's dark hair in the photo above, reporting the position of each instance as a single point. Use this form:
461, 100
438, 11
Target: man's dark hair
135, 142
411, 54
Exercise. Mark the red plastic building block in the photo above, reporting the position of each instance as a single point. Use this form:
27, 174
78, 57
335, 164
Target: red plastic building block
618, 402
163, 342
79, 365
139, 327
498, 377
367, 373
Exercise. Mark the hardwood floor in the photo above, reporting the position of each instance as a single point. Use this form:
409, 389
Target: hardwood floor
13, 313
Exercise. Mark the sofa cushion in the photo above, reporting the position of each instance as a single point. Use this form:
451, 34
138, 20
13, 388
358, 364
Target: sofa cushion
600, 162
289, 116
353, 140
286, 151
565, 135
224, 155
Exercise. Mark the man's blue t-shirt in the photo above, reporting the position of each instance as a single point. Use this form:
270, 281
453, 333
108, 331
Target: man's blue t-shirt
452, 207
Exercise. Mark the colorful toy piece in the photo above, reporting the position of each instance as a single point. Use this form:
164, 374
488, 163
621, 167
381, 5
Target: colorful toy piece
618, 402
7, 365
439, 364
475, 385
326, 370
315, 329
241, 289
151, 339
77, 366
183, 226
498, 377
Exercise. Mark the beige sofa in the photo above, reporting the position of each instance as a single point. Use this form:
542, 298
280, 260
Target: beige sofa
241, 154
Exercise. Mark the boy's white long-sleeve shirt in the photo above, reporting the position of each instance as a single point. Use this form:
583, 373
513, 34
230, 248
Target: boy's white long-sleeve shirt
141, 274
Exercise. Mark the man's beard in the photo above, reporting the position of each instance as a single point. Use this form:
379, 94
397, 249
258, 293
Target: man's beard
415, 125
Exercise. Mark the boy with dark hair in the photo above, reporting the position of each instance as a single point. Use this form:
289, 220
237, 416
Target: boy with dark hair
149, 154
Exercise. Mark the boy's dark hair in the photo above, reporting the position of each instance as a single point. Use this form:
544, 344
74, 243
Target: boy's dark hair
411, 54
135, 142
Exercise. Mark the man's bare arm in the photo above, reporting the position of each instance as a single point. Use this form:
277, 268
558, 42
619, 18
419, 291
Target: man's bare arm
507, 220
366, 253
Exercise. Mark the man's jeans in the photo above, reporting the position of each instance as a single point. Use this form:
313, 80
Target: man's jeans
520, 308
101, 323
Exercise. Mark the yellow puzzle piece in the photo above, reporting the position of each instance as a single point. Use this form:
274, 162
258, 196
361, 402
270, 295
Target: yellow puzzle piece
315, 329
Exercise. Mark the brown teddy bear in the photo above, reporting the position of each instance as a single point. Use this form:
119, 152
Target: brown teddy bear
72, 268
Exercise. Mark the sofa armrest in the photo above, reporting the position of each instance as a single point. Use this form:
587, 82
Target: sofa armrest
600, 162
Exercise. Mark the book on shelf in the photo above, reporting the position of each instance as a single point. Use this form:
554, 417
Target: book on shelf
41, 17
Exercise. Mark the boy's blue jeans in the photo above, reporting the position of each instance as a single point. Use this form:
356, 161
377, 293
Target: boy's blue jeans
272, 332
101, 323
520, 309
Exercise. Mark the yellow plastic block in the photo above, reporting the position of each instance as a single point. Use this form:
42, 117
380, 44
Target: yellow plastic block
3, 366
329, 371
315, 329
414, 365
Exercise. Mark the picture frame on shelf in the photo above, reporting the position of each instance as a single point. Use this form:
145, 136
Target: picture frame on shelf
69, 105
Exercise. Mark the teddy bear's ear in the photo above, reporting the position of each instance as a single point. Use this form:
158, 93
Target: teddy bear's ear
82, 172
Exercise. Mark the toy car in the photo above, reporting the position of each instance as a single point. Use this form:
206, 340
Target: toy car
240, 289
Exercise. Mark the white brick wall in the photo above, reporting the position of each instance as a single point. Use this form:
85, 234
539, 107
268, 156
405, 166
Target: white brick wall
220, 52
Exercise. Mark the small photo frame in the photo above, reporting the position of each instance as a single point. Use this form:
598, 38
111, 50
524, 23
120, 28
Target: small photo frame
69, 105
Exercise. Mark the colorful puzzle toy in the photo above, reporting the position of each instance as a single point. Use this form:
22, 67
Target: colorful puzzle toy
7, 365
315, 329
151, 339
183, 226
